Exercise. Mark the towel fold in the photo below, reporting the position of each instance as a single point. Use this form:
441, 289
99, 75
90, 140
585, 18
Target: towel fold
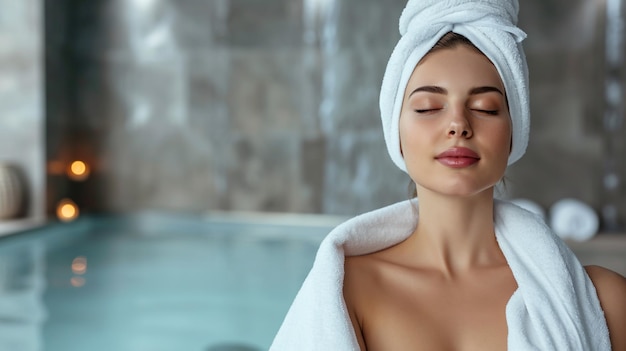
491, 26
554, 308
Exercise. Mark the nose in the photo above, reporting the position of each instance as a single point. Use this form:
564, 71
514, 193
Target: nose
460, 126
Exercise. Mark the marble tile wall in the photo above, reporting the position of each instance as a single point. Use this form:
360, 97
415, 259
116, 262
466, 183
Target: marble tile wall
567, 152
273, 106
21, 96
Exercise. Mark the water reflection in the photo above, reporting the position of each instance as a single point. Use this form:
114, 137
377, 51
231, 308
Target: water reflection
22, 284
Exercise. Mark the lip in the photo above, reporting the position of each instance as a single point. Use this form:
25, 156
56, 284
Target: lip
458, 157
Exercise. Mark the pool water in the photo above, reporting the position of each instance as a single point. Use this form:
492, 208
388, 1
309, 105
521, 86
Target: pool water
152, 282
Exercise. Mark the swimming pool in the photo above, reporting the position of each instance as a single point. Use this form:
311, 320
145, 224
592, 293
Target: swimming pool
160, 282
154, 282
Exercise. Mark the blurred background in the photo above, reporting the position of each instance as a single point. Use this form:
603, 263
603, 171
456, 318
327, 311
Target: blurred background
187, 109
197, 105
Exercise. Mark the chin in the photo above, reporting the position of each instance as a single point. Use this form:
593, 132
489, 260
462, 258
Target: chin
462, 190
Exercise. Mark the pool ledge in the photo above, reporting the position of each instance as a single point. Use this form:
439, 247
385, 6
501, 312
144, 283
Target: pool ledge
8, 227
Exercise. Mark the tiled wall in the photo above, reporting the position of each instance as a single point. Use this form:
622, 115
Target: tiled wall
21, 97
567, 155
273, 105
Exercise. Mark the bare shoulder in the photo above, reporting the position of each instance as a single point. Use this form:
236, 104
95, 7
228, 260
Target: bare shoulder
359, 273
608, 283
367, 269
357, 283
611, 288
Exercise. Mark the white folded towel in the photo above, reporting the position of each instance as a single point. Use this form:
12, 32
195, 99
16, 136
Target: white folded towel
491, 26
574, 219
554, 308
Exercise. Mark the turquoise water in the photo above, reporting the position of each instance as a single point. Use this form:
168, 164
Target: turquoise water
151, 283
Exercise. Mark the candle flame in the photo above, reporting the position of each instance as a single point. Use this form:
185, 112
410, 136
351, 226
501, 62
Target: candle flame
67, 210
78, 170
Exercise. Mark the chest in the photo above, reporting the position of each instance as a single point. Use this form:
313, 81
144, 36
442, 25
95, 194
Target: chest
431, 316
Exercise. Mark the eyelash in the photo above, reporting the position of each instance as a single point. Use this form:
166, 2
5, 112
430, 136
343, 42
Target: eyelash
488, 112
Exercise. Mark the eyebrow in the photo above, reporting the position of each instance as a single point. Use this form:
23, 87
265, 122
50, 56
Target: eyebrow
439, 90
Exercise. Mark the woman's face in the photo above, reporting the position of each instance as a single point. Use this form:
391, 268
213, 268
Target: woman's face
455, 128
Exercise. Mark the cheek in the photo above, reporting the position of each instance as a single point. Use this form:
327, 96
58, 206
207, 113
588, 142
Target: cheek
502, 139
404, 134
409, 136
505, 139
418, 136
416, 145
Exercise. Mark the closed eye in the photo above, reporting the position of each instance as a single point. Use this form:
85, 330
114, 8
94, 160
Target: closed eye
427, 110
488, 112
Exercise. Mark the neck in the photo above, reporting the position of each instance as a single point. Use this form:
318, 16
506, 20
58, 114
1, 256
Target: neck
456, 233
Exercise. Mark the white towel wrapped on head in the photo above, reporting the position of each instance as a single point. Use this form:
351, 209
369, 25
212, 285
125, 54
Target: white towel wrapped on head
491, 26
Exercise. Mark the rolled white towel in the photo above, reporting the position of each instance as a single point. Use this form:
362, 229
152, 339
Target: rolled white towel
574, 219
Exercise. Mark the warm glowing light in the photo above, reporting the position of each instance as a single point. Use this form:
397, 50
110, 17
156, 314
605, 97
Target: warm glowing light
79, 265
67, 210
78, 170
78, 167
77, 282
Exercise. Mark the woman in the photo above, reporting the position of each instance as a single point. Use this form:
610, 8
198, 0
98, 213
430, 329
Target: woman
446, 287
456, 270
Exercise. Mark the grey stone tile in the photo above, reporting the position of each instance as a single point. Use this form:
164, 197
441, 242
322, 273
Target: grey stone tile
266, 176
265, 91
549, 172
123, 92
263, 24
350, 90
558, 23
20, 27
80, 28
208, 80
565, 94
92, 90
148, 29
147, 91
310, 92
368, 24
159, 166
312, 170
56, 91
21, 92
201, 24
359, 175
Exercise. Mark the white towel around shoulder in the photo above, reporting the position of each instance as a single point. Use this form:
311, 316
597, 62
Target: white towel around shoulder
554, 308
